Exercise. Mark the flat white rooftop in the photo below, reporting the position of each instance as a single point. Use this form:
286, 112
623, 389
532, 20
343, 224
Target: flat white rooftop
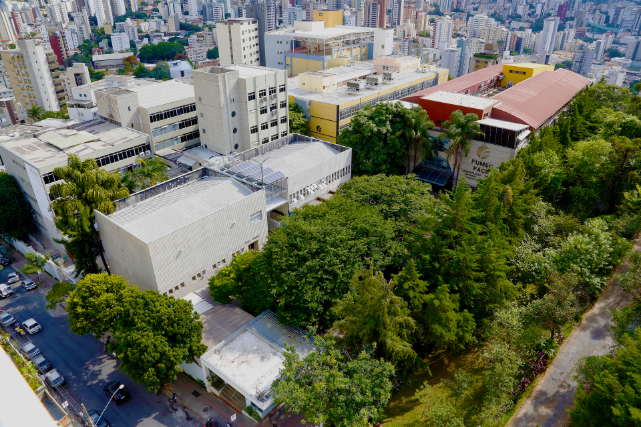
172, 210
503, 124
461, 99
297, 157
164, 93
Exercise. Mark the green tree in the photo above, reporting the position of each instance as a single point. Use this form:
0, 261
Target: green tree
459, 129
161, 71
440, 410
446, 326
416, 124
372, 314
34, 113
15, 212
132, 47
332, 387
297, 121
559, 304
375, 137
35, 264
154, 334
96, 303
84, 188
609, 390
236, 280
213, 53
149, 173
163, 51
500, 377
411, 288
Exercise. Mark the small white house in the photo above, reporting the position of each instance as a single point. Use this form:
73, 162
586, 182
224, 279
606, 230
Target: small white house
179, 69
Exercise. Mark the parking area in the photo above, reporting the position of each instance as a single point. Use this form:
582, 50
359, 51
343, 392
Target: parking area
84, 366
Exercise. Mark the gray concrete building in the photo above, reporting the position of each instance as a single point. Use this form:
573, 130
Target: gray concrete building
31, 153
241, 106
166, 111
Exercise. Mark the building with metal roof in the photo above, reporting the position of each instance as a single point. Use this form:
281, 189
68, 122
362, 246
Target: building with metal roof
32, 152
251, 359
174, 236
508, 114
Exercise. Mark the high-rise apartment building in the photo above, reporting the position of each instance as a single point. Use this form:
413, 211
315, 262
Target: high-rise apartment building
240, 106
442, 33
57, 12
476, 23
120, 42
375, 13
398, 7
451, 59
59, 46
265, 15
7, 30
238, 41
34, 75
548, 36
75, 76
193, 6
583, 60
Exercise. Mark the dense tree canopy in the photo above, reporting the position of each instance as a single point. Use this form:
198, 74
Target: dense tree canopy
163, 51
16, 218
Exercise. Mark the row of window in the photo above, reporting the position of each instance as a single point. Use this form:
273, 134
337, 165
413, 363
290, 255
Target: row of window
319, 185
172, 112
192, 121
348, 112
265, 126
263, 92
274, 137
122, 155
177, 140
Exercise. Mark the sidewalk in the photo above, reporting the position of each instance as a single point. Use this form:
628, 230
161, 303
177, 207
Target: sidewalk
196, 398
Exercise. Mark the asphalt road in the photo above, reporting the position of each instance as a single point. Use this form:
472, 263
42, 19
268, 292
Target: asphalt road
81, 361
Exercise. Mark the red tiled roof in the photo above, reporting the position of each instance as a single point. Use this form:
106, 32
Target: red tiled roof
459, 85
535, 100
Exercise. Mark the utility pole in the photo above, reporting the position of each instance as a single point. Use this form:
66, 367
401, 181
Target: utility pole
84, 410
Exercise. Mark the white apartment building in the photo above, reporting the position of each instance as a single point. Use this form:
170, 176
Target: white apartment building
548, 36
442, 33
293, 14
57, 12
74, 76
193, 6
197, 53
451, 59
7, 30
476, 23
241, 106
238, 41
174, 237
71, 37
31, 153
120, 42
165, 111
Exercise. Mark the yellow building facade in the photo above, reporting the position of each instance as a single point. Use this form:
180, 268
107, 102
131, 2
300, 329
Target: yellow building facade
516, 73
330, 17
330, 108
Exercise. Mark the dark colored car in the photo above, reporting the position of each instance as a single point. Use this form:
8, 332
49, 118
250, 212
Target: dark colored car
97, 420
41, 363
4, 261
113, 389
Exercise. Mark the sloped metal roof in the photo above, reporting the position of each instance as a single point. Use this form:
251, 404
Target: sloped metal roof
538, 98
297, 157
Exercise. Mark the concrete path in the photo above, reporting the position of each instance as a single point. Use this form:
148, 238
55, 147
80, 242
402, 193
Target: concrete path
554, 393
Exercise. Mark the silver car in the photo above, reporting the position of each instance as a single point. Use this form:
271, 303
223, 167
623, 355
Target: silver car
7, 319
41, 363
54, 379
5, 291
28, 284
30, 350
13, 278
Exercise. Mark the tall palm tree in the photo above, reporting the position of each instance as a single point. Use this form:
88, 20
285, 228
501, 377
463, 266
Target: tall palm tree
459, 130
150, 173
416, 124
34, 113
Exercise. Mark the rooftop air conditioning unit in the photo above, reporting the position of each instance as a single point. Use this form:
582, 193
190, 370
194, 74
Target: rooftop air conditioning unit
374, 80
355, 86
389, 76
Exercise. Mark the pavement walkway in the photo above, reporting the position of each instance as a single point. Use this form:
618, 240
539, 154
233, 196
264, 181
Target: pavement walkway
548, 403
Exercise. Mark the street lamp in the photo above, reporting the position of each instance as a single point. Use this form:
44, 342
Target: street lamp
103, 411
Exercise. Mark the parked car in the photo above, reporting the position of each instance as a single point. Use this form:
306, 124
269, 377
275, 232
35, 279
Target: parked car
28, 284
7, 319
41, 363
97, 420
54, 379
4, 261
112, 389
31, 326
5, 290
13, 278
30, 350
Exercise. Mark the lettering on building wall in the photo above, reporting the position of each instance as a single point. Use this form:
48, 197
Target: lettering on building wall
479, 166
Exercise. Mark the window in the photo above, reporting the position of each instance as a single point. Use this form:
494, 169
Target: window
251, 96
253, 129
283, 104
272, 90
262, 93
281, 88
129, 108
111, 158
173, 112
263, 126
283, 120
182, 285
256, 217
283, 134
274, 137
263, 109
273, 107
233, 114
265, 140
274, 123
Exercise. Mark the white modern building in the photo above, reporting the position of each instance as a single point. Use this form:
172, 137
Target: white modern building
451, 59
241, 106
174, 236
74, 76
548, 36
31, 153
165, 111
238, 41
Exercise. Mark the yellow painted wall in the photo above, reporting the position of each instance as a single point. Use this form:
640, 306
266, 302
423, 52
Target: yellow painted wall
323, 110
331, 18
516, 73
303, 65
327, 128
336, 62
